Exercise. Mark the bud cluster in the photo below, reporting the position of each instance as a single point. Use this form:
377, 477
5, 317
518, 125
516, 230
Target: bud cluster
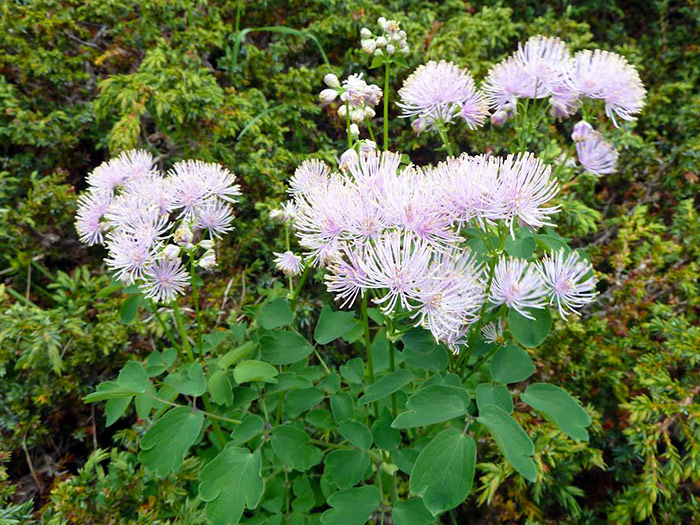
391, 40
358, 97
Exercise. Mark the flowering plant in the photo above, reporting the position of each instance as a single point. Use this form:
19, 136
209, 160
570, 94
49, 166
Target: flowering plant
444, 276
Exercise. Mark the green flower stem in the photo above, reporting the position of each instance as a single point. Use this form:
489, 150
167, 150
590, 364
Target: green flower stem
208, 414
183, 334
369, 129
214, 423
464, 361
347, 118
195, 297
288, 244
386, 106
161, 322
445, 139
368, 348
295, 295
325, 366
481, 361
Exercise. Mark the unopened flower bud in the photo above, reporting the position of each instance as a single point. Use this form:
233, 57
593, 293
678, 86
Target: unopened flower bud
208, 260
381, 22
328, 95
367, 146
365, 33
357, 115
581, 131
381, 41
331, 80
368, 46
171, 251
369, 112
347, 159
377, 52
402, 34
499, 118
354, 131
342, 111
390, 49
183, 236
419, 125
207, 244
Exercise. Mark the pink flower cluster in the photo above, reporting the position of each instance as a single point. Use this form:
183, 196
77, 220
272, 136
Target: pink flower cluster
543, 67
394, 232
146, 219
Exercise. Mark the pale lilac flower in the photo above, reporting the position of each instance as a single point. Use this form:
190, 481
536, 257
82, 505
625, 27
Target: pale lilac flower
398, 263
135, 164
164, 280
129, 256
518, 285
505, 83
605, 75
566, 278
564, 101
450, 295
287, 212
89, 223
345, 275
545, 62
375, 172
469, 187
581, 131
151, 188
214, 216
288, 263
526, 186
194, 182
312, 174
107, 177
493, 332
358, 93
139, 217
596, 154
183, 235
437, 92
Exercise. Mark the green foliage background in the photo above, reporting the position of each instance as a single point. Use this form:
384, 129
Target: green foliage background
80, 80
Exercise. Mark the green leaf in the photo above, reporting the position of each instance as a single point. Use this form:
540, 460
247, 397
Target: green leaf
385, 437
511, 364
345, 468
433, 404
130, 308
287, 381
231, 482
164, 446
352, 506
550, 242
521, 248
488, 394
234, 356
332, 325
188, 380
283, 348
158, 362
249, 371
134, 377
275, 313
342, 406
115, 408
291, 446
559, 406
220, 388
320, 418
511, 439
411, 512
298, 401
108, 390
444, 471
386, 385
377, 61
421, 350
353, 371
251, 426
356, 433
528, 332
